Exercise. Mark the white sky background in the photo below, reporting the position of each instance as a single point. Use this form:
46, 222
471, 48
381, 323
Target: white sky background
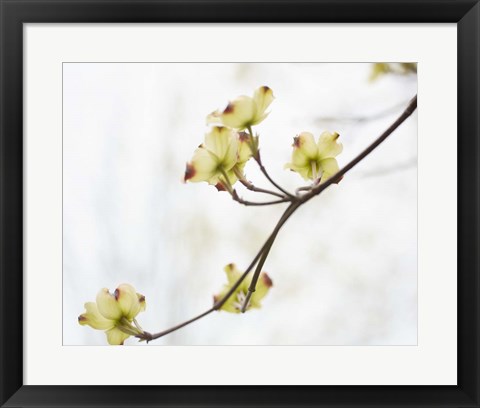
345, 265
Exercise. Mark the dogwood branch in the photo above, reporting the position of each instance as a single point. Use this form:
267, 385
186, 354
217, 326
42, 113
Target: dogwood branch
316, 189
297, 201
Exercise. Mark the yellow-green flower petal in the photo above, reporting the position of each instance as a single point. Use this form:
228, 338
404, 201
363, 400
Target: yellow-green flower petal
328, 145
263, 286
244, 152
203, 166
128, 300
263, 97
305, 143
305, 171
116, 337
329, 167
108, 305
239, 113
222, 142
94, 319
143, 303
232, 272
305, 153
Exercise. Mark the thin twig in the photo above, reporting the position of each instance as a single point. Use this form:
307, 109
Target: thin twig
265, 173
240, 200
249, 186
258, 203
257, 158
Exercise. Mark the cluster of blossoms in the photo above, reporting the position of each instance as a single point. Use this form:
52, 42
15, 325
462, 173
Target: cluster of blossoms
221, 158
220, 161
235, 301
315, 161
115, 313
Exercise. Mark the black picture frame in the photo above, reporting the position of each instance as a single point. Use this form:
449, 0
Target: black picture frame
14, 13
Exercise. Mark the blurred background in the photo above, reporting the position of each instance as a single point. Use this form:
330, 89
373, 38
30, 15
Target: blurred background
344, 267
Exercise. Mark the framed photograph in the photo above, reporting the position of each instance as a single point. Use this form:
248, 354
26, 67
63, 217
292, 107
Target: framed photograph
237, 203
